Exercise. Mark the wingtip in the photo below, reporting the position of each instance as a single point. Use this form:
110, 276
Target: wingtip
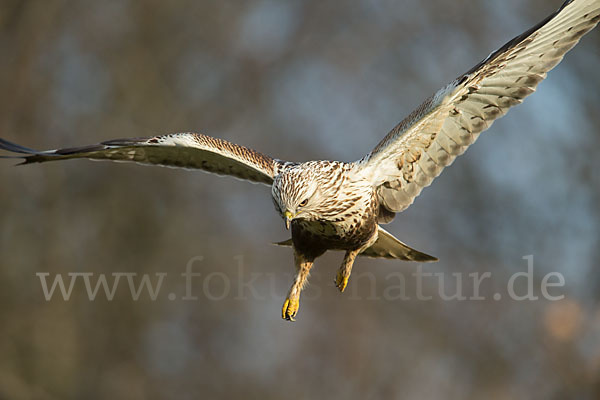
15, 148
14, 158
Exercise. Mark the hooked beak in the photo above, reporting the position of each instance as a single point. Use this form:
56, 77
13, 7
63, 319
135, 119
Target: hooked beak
288, 219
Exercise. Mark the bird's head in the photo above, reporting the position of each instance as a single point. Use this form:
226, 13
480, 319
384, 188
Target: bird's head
296, 194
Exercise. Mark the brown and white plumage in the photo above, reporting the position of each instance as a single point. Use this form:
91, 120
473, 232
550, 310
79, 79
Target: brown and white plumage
440, 129
333, 205
178, 150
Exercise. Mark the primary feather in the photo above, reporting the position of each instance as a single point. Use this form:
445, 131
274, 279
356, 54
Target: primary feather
179, 150
432, 136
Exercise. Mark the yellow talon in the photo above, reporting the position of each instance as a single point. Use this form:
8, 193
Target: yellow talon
341, 281
290, 309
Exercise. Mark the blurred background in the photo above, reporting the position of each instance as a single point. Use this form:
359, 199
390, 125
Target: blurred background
297, 80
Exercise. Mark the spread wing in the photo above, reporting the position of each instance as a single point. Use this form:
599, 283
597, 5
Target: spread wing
179, 150
429, 139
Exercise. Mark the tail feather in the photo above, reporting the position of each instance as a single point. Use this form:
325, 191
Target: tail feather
387, 246
284, 243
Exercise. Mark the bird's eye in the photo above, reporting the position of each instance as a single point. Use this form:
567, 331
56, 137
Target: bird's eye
304, 203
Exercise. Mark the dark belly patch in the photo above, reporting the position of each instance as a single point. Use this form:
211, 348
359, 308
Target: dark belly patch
318, 236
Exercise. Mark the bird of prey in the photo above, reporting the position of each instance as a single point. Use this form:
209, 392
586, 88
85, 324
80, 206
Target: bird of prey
332, 205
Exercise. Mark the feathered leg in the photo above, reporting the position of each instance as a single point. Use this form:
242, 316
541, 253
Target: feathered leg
291, 304
343, 274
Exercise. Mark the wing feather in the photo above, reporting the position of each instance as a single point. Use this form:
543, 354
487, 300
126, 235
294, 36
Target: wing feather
179, 150
432, 136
